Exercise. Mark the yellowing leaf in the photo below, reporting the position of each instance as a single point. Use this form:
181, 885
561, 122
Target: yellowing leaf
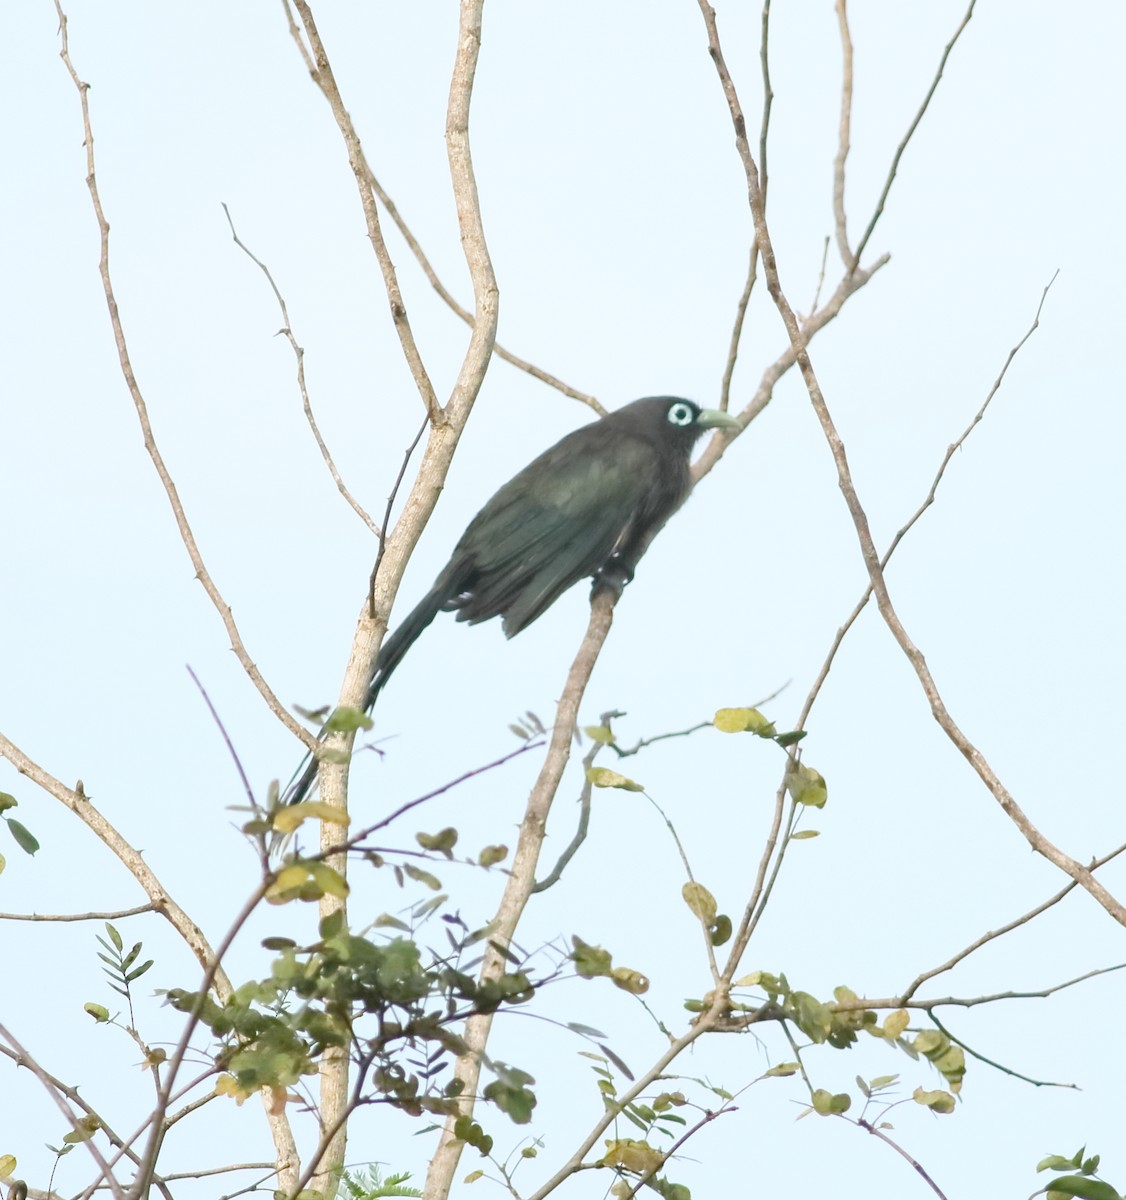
290, 880
603, 777
937, 1101
599, 734
807, 786
743, 720
631, 1155
7, 1165
895, 1024
287, 819
227, 1085
630, 981
700, 901
328, 880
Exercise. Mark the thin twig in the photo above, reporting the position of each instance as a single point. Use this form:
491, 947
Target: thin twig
989, 1062
299, 354
572, 847
879, 1133
927, 1005
50, 1084
115, 915
387, 515
520, 364
953, 731
839, 217
910, 134
226, 738
752, 258
951, 450
993, 934
324, 78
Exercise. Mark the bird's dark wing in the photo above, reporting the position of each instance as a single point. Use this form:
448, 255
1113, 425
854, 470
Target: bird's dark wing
560, 519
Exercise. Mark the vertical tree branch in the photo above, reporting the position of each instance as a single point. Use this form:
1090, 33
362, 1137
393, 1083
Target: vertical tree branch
521, 881
324, 78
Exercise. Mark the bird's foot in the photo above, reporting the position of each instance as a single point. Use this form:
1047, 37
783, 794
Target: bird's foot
612, 577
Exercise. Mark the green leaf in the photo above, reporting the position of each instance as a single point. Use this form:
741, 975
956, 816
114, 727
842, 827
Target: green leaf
421, 876
468, 1131
330, 927
24, 837
803, 834
348, 720
826, 1104
98, 1011
1083, 1186
720, 930
790, 739
783, 1070
7, 800
491, 855
590, 961
442, 842
114, 937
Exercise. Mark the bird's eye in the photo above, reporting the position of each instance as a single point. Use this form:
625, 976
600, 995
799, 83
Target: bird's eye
681, 414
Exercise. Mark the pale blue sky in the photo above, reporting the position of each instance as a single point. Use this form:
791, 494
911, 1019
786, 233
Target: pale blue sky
616, 214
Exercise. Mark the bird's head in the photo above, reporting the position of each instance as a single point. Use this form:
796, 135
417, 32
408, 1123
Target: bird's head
672, 418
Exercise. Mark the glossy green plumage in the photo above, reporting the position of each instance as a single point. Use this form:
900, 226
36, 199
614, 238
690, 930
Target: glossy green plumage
589, 506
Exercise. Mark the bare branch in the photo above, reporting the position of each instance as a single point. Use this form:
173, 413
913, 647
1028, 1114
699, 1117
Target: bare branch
752, 264
464, 313
299, 354
951, 450
186, 535
894, 1002
911, 133
992, 934
860, 520
989, 1062
115, 915
839, 217
521, 880
879, 1133
325, 80
57, 1092
159, 899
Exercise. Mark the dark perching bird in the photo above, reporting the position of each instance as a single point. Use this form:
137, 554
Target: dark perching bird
589, 506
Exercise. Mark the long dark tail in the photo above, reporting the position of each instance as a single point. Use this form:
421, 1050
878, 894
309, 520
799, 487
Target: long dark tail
396, 646
390, 655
